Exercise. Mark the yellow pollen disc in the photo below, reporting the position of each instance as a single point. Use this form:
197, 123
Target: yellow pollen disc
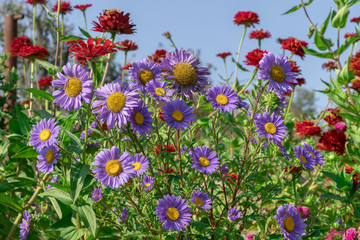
113, 168
178, 116
145, 76
312, 154
139, 118
172, 213
204, 161
45, 135
289, 224
160, 92
277, 73
147, 185
303, 159
73, 87
199, 202
49, 157
111, 11
185, 74
270, 128
222, 99
116, 102
137, 166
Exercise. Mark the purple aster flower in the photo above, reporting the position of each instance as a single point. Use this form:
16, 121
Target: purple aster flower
204, 160
44, 134
140, 163
159, 91
278, 71
143, 72
201, 199
96, 194
147, 182
181, 66
141, 120
305, 158
178, 114
319, 159
48, 158
282, 150
116, 103
290, 221
123, 215
234, 214
271, 127
174, 211
223, 98
264, 143
339, 221
113, 170
54, 180
75, 87
25, 225
225, 169
90, 130
93, 144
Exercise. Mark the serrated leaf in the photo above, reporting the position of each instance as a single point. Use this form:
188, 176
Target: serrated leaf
85, 33
26, 152
88, 216
41, 94
78, 173
10, 202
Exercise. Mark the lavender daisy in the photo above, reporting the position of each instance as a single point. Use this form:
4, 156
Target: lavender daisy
290, 221
204, 160
201, 199
116, 103
44, 134
113, 170
278, 71
48, 158
143, 72
147, 182
123, 214
305, 158
282, 150
75, 87
25, 225
140, 163
271, 127
178, 114
319, 159
90, 130
54, 180
96, 194
223, 98
174, 211
181, 66
159, 91
234, 214
141, 120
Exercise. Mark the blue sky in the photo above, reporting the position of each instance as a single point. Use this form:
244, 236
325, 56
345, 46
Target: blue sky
208, 25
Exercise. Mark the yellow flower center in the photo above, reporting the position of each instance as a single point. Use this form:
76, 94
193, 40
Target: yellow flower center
199, 202
137, 166
45, 135
222, 99
145, 76
160, 92
116, 102
312, 154
139, 118
185, 74
147, 185
289, 224
178, 116
50, 156
73, 87
303, 159
277, 73
270, 128
113, 168
204, 161
111, 11
172, 213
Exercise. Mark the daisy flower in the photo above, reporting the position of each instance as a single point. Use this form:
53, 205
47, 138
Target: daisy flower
201, 199
140, 163
143, 72
24, 226
48, 158
141, 120
223, 98
234, 214
204, 160
178, 114
96, 194
159, 91
271, 127
305, 158
44, 134
147, 182
290, 221
319, 158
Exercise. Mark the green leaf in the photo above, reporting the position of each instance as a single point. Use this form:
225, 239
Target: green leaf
41, 94
339, 18
52, 69
88, 216
43, 114
10, 202
78, 173
353, 2
56, 206
345, 76
346, 44
317, 54
239, 65
295, 8
73, 137
24, 122
350, 116
320, 43
26, 152
324, 26
58, 194
333, 196
85, 33
70, 38
71, 233
61, 224
311, 31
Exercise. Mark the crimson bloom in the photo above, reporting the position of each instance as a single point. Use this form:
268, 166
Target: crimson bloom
259, 34
294, 66
83, 7
333, 117
126, 67
332, 140
45, 81
17, 43
294, 45
34, 2
223, 55
65, 7
300, 81
355, 84
246, 18
348, 170
355, 64
114, 21
253, 57
127, 45
355, 20
158, 55
33, 52
307, 128
330, 65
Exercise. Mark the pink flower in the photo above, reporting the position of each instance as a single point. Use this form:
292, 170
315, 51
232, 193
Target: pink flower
250, 237
332, 234
340, 126
304, 211
350, 234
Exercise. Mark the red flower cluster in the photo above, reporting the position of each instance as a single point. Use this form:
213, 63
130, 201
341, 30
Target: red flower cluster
294, 45
33, 52
17, 43
294, 170
330, 65
45, 81
232, 177
34, 2
114, 21
65, 7
355, 64
126, 67
333, 117
246, 18
259, 34
127, 45
355, 20
355, 177
355, 84
83, 7
307, 128
158, 55
164, 148
89, 51
253, 57
348, 35
300, 81
223, 55
25, 102
294, 66
332, 140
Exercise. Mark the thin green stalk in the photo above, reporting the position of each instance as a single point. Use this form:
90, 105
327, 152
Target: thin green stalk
31, 83
57, 47
62, 43
294, 187
172, 42
113, 35
33, 27
259, 43
85, 20
238, 56
226, 76
288, 109
250, 80
123, 71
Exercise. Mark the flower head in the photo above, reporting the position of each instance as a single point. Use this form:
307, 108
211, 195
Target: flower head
349, 35
223, 55
159, 91
48, 158
114, 21
158, 55
355, 64
127, 45
123, 214
330, 65
45, 81
271, 127
332, 140
319, 159
64, 7
254, 57
246, 18
25, 225
34, 2
307, 128
178, 114
305, 157
201, 199
141, 120
223, 98
234, 214
33, 52
304, 211
355, 20
332, 117
204, 160
341, 126
54, 180
290, 221
140, 164
44, 134
294, 45
147, 182
96, 194
83, 7
143, 72
259, 34
19, 42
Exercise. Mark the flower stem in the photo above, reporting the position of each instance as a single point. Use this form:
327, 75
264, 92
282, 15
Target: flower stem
62, 43
294, 187
33, 28
85, 20
31, 84
123, 71
57, 47
226, 76
288, 109
113, 35
238, 55
250, 80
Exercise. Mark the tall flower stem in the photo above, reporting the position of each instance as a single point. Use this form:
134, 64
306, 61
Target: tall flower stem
288, 109
57, 46
179, 155
238, 56
62, 43
113, 35
123, 71
294, 188
226, 76
84, 14
33, 27
31, 83
250, 80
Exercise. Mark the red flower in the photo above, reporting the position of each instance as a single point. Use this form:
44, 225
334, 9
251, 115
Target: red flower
34, 2
332, 140
294, 45
355, 20
64, 7
300, 81
259, 34
355, 84
232, 177
330, 65
161, 115
127, 66
294, 66
348, 170
307, 128
253, 58
347, 35
114, 21
196, 212
83, 7
246, 18
293, 169
355, 64
17, 43
158, 55
223, 55
45, 81
164, 148
127, 45
33, 52
25, 103
90, 51
333, 117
